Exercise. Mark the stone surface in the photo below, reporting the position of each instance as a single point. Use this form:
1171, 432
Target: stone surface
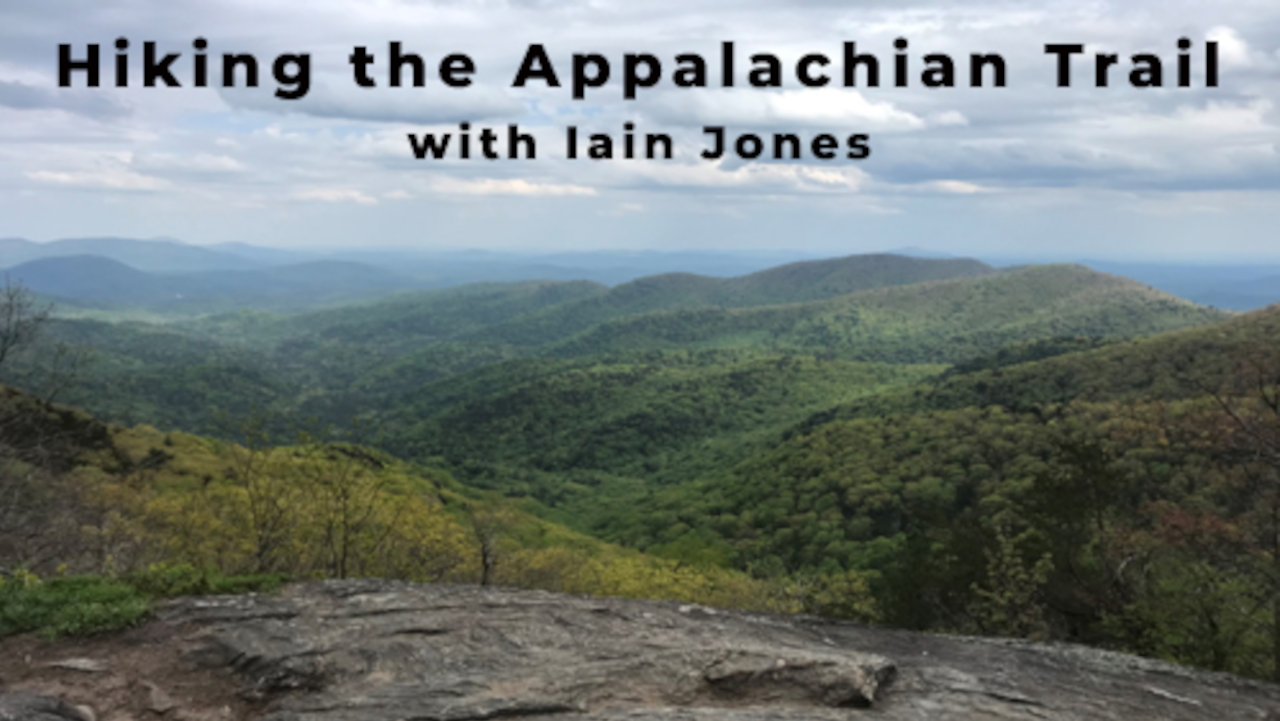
87, 665
32, 707
384, 651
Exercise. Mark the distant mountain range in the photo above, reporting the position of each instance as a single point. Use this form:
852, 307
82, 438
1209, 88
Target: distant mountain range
96, 281
152, 256
353, 273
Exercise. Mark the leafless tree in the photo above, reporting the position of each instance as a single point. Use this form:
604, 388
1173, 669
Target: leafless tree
21, 319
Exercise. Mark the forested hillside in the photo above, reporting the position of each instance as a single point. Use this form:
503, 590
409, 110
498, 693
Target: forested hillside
1045, 451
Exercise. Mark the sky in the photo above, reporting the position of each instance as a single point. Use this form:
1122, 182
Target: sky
1029, 170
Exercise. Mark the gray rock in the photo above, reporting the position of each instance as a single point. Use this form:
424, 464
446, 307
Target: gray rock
385, 651
86, 665
33, 707
158, 700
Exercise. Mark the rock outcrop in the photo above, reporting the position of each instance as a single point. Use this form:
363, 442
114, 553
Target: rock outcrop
383, 651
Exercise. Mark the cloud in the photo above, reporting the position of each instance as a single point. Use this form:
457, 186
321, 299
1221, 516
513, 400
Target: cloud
512, 186
748, 178
115, 179
198, 163
1232, 49
420, 106
956, 187
336, 195
812, 108
21, 96
199, 152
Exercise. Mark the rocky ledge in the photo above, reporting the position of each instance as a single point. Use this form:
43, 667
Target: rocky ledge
384, 651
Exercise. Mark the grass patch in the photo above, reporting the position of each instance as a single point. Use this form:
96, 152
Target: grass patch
88, 605
69, 606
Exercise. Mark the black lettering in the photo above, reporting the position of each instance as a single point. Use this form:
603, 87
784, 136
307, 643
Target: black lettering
782, 141
598, 66
653, 140
859, 147
726, 64
692, 73
536, 66
122, 63
360, 60
716, 151
632, 79
601, 147
400, 59
454, 68
824, 146
1211, 64
515, 139
900, 63
853, 60
1064, 53
749, 146
767, 73
66, 66
487, 139
1184, 63
941, 76
154, 70
1103, 72
299, 80
428, 145
977, 62
201, 63
229, 63
806, 75
1147, 71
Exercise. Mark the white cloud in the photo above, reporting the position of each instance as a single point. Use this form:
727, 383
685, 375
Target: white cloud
956, 187
1232, 49
200, 152
113, 179
513, 186
819, 108
336, 195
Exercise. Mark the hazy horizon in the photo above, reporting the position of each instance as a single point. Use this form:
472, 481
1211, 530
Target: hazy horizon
782, 254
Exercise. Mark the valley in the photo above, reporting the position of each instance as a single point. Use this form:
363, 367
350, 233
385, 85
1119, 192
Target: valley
1042, 451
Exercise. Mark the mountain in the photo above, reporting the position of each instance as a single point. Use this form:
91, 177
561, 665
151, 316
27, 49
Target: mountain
1039, 452
796, 282
938, 322
662, 417
267, 256
386, 357
818, 279
154, 256
92, 278
105, 282
1171, 366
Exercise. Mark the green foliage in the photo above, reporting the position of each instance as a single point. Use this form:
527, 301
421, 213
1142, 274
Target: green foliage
1039, 452
941, 322
663, 417
1010, 602
69, 606
164, 580
87, 605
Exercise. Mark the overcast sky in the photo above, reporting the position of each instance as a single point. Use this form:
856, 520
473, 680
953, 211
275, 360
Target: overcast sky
1029, 170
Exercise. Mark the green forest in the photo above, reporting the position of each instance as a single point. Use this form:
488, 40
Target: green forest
1042, 452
